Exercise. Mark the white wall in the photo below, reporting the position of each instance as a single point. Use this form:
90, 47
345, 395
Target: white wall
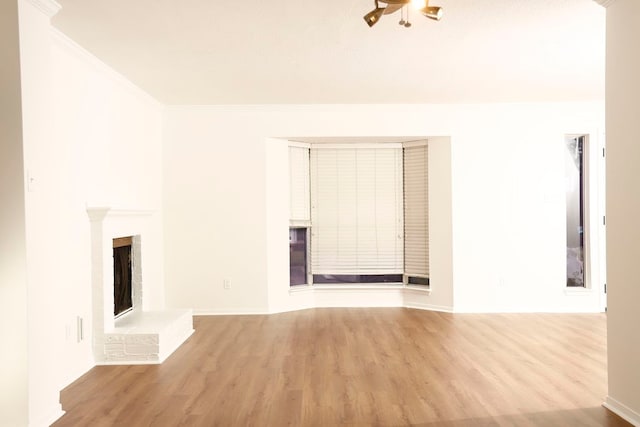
509, 208
13, 253
107, 153
623, 207
221, 194
91, 138
214, 211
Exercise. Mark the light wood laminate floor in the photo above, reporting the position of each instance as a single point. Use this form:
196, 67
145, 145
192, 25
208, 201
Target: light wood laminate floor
366, 366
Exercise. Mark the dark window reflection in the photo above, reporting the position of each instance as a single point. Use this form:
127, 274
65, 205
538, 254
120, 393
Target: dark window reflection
297, 256
418, 281
356, 278
574, 170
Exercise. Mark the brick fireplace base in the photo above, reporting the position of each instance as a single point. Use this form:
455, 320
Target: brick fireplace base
145, 337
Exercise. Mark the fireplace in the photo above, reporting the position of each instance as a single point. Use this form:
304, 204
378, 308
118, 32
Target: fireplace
122, 276
129, 323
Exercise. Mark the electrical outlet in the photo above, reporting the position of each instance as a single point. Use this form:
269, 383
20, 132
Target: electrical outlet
226, 283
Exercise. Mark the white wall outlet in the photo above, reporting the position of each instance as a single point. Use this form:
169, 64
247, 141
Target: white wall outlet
226, 283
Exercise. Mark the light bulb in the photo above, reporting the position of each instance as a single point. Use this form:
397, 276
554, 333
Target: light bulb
419, 4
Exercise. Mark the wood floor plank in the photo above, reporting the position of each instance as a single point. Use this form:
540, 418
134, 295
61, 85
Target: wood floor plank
356, 367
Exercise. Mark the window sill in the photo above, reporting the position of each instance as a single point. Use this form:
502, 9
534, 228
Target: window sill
578, 291
419, 289
364, 287
300, 289
352, 286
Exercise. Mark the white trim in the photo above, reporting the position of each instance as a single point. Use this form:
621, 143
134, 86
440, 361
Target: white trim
418, 143
289, 309
430, 307
362, 287
129, 362
568, 309
300, 289
229, 312
425, 108
418, 288
299, 223
578, 291
351, 145
99, 213
605, 3
48, 7
622, 411
299, 144
63, 41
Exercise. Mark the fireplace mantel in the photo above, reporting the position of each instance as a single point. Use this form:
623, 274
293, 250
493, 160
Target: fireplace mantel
101, 212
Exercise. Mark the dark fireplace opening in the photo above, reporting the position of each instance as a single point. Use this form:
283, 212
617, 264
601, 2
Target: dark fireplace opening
122, 276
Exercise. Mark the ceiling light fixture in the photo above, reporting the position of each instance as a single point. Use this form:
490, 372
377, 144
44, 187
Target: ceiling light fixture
431, 12
373, 17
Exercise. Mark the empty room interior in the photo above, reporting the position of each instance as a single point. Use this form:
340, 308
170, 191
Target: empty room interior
352, 212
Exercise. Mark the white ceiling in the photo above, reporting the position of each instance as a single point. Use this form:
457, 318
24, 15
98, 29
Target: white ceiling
321, 51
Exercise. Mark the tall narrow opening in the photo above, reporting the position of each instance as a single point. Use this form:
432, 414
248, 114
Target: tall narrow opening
575, 181
122, 276
297, 256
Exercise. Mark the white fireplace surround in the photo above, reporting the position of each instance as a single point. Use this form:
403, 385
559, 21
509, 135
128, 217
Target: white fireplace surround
147, 333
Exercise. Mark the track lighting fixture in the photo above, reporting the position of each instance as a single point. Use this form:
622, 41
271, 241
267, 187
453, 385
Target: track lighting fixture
373, 17
431, 12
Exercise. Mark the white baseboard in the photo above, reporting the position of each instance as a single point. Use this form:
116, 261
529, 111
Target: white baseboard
228, 312
430, 307
46, 419
129, 362
622, 411
280, 310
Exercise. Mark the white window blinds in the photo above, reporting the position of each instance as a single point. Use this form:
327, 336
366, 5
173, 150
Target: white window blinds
299, 213
416, 210
356, 210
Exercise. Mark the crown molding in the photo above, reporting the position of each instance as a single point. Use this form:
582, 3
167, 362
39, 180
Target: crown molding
605, 3
48, 7
78, 51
